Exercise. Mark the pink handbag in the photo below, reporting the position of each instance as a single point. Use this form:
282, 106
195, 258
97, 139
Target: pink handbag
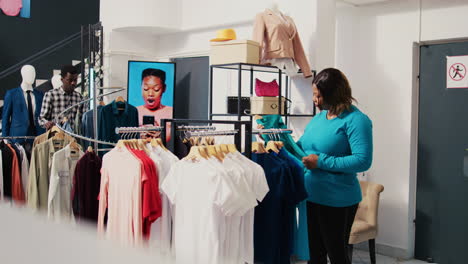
266, 88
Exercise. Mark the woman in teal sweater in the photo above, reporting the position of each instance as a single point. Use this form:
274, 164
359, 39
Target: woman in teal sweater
338, 144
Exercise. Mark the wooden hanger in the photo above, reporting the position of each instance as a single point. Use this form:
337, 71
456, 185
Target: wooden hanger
279, 144
223, 148
220, 151
258, 147
90, 149
121, 143
212, 152
59, 135
154, 142
160, 143
75, 149
232, 148
54, 129
120, 99
75, 146
102, 102
196, 153
271, 146
142, 145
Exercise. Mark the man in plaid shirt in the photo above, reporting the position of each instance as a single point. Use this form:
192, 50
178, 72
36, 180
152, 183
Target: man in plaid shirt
57, 100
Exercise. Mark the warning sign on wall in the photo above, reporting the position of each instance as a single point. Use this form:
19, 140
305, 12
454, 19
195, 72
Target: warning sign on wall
457, 71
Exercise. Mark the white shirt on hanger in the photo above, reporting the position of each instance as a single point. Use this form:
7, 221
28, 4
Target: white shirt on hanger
160, 239
61, 184
200, 193
260, 189
233, 222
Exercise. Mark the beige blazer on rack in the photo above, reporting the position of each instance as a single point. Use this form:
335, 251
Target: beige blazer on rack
279, 39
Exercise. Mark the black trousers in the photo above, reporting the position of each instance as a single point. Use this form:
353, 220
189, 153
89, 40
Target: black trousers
329, 229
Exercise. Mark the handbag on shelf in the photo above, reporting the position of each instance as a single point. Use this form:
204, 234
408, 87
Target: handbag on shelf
232, 104
267, 105
266, 88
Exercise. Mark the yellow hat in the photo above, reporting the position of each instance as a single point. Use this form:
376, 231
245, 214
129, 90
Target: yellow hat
225, 34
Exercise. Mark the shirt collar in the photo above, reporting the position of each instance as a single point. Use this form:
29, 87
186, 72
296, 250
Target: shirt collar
114, 107
27, 89
62, 91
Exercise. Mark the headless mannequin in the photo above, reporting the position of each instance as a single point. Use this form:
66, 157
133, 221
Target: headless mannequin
275, 8
285, 64
29, 76
56, 81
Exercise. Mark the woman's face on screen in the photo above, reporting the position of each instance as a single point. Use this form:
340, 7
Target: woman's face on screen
152, 90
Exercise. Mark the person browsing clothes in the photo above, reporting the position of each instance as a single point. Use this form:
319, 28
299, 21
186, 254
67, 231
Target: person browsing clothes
338, 142
57, 100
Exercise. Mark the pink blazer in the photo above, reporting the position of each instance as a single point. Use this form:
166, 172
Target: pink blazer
279, 39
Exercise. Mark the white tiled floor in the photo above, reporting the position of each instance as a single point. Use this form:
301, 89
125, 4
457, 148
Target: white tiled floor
362, 257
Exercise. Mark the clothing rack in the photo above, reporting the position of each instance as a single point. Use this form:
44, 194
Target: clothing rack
18, 137
123, 130
94, 140
237, 136
273, 131
195, 128
211, 133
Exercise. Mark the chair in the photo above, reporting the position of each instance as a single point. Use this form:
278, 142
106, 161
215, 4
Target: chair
365, 223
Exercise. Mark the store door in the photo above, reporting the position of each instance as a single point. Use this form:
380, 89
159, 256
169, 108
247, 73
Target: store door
442, 181
191, 96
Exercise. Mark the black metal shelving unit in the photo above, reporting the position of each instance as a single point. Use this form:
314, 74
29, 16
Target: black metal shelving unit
243, 67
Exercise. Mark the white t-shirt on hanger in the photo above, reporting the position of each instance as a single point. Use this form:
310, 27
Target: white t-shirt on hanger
199, 194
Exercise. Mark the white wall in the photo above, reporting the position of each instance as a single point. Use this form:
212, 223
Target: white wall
374, 48
153, 15
199, 21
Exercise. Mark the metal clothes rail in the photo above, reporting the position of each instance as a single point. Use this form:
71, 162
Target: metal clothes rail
94, 140
247, 135
123, 130
273, 131
211, 133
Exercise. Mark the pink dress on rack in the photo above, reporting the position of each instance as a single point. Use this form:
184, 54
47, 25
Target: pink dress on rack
11, 7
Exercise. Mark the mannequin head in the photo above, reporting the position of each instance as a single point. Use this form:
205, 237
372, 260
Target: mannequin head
29, 75
56, 81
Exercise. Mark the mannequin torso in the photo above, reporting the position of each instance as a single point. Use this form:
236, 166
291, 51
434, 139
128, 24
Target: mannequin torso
16, 116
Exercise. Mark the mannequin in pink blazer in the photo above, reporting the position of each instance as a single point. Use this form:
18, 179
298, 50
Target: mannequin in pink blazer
278, 38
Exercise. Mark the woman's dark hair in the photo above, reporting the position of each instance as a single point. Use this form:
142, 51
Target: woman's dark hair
154, 72
335, 90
